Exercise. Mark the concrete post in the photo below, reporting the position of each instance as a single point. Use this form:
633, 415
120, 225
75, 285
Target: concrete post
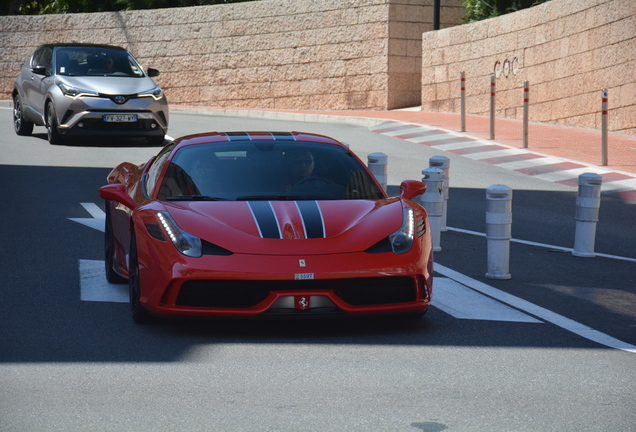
443, 163
588, 202
378, 164
432, 200
498, 230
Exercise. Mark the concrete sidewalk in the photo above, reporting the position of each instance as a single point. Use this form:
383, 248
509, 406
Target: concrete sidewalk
555, 153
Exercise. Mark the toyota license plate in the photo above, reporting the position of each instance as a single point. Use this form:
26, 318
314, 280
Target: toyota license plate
120, 118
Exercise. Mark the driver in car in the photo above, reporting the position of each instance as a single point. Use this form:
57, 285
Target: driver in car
299, 165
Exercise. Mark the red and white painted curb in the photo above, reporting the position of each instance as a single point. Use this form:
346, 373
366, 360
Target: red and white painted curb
550, 168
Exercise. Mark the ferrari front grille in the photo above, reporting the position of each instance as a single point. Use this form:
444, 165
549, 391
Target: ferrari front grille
245, 294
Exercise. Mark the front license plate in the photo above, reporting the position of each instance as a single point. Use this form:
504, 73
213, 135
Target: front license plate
303, 276
120, 118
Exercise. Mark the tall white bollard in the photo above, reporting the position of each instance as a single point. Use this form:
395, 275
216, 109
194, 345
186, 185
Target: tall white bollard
588, 202
377, 163
498, 230
443, 163
433, 201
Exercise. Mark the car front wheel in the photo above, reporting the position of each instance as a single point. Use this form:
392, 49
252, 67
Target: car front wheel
52, 132
21, 126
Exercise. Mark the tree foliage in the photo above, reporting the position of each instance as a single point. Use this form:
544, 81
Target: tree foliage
40, 7
477, 10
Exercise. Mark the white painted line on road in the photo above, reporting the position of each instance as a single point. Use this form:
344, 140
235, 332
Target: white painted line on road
457, 145
95, 287
494, 154
438, 137
98, 217
464, 303
530, 163
539, 312
543, 245
403, 131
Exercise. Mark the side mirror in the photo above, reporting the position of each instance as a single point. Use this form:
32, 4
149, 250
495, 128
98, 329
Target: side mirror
118, 193
39, 70
410, 189
153, 72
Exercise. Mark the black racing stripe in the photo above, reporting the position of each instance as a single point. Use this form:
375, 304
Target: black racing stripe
283, 136
265, 219
238, 136
312, 218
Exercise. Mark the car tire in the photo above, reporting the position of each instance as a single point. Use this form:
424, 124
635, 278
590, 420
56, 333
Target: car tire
109, 251
52, 132
21, 126
139, 314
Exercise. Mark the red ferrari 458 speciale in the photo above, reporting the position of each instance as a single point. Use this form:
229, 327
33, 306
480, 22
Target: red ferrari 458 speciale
271, 223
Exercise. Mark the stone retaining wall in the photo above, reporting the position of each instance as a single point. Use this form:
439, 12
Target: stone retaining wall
294, 54
568, 51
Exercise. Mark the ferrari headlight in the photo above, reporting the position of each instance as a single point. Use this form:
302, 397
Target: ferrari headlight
402, 239
156, 93
74, 92
185, 243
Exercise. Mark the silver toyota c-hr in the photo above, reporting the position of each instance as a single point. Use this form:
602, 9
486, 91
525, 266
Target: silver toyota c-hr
88, 90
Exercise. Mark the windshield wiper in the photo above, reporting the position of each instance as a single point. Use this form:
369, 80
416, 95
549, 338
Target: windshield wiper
194, 198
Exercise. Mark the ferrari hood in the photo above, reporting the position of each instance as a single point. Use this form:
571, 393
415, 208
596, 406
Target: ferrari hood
290, 227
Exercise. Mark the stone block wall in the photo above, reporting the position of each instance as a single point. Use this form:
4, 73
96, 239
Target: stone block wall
291, 54
568, 51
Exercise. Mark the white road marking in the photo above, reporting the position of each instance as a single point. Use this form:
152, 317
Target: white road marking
494, 154
98, 217
543, 245
464, 303
95, 287
458, 145
529, 163
537, 311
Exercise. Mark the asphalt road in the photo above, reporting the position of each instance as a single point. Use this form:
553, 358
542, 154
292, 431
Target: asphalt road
69, 364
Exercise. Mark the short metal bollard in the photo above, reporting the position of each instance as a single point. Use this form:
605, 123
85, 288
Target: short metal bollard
433, 201
588, 202
377, 163
443, 163
498, 230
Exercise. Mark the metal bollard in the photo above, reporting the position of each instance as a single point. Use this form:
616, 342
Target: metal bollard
377, 163
443, 163
526, 100
498, 230
604, 127
492, 107
433, 201
462, 77
588, 202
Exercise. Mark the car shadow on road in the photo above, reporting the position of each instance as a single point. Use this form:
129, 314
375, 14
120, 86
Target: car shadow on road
102, 141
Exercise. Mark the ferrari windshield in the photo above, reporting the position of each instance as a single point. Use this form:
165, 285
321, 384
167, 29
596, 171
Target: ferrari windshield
266, 170
96, 61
